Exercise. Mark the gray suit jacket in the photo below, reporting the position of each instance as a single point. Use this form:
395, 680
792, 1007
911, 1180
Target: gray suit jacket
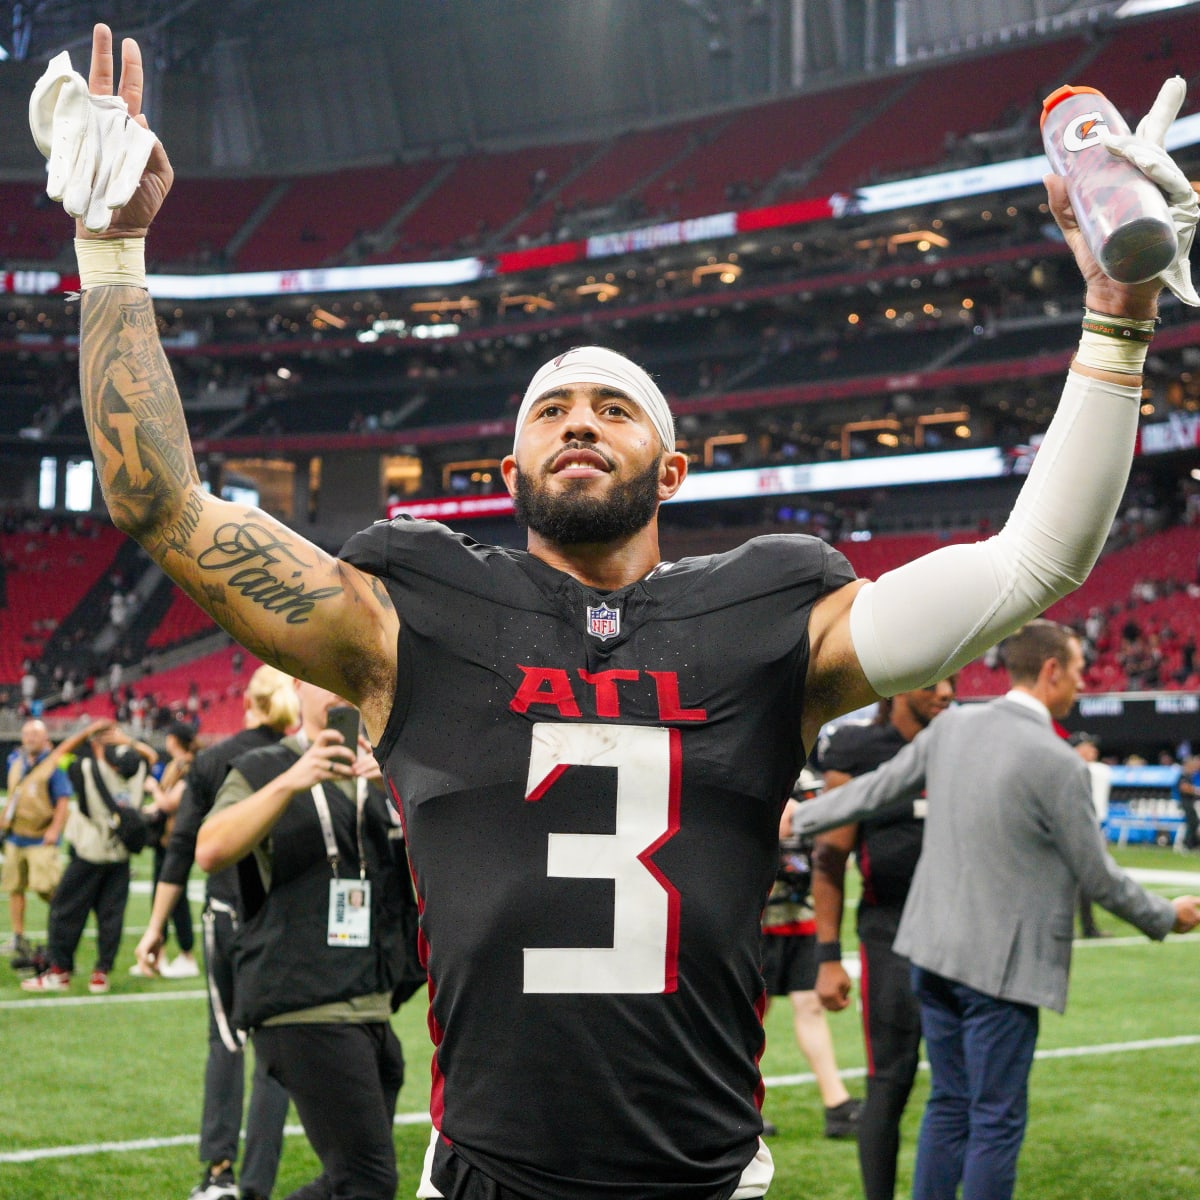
1010, 832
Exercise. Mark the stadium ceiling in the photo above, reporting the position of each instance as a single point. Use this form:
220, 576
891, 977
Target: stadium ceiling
261, 85
37, 29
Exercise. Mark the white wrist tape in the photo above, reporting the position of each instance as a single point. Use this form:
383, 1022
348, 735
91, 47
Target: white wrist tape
926, 619
111, 261
1111, 354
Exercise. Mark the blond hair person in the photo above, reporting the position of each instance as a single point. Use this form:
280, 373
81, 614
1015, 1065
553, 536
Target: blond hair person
271, 708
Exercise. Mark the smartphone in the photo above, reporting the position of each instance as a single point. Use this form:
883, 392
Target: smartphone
345, 720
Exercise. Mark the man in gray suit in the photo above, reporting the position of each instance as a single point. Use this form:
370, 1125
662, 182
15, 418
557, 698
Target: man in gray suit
1010, 832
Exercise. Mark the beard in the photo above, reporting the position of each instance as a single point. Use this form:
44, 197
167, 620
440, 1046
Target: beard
576, 518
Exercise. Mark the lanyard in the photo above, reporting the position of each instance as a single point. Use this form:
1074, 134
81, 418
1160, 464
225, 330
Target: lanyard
326, 820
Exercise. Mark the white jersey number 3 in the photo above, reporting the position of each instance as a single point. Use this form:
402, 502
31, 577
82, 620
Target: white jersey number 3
644, 954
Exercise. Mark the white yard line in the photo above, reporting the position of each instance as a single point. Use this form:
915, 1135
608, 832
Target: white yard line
127, 998
1149, 875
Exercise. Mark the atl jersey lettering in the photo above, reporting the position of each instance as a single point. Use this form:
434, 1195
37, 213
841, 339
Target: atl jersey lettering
593, 829
888, 846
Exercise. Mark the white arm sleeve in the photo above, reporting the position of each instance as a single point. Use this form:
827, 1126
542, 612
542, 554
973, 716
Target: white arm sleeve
926, 619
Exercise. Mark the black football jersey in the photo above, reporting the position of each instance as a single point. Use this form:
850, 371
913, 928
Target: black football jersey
591, 787
888, 845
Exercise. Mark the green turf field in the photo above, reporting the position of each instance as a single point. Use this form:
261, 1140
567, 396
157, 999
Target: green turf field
1112, 1120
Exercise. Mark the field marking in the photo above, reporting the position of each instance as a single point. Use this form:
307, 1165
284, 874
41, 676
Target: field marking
1144, 875
422, 1118
1163, 1043
130, 998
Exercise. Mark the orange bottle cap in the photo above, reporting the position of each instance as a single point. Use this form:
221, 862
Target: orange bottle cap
1064, 93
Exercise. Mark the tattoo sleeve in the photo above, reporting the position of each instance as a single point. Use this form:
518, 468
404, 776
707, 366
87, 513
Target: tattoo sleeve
133, 413
284, 599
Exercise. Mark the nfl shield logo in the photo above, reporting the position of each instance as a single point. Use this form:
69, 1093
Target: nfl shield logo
603, 622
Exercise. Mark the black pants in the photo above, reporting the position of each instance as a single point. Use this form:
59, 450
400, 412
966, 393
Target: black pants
892, 1028
181, 914
225, 1076
87, 887
344, 1080
1191, 821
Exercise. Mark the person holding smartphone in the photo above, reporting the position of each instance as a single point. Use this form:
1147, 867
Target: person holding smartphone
321, 951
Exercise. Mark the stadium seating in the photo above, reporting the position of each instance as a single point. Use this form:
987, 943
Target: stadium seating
196, 228
46, 574
318, 219
34, 229
219, 687
611, 172
183, 620
482, 194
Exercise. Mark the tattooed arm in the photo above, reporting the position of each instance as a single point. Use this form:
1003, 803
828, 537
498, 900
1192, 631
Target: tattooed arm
281, 597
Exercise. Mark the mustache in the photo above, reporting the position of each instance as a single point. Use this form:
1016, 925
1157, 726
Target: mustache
548, 465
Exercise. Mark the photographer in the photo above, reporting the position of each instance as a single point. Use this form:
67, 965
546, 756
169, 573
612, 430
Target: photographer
316, 974
110, 776
271, 708
32, 821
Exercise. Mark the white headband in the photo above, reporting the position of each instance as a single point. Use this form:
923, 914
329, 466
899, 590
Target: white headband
595, 364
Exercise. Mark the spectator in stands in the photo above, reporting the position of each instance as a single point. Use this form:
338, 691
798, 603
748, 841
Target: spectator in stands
29, 688
115, 768
33, 819
1014, 839
271, 708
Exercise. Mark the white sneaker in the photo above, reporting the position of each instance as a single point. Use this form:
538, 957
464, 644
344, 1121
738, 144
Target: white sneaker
183, 966
136, 969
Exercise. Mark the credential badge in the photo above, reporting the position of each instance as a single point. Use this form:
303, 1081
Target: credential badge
603, 622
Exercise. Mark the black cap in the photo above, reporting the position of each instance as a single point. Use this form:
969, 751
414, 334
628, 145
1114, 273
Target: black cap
125, 760
1084, 738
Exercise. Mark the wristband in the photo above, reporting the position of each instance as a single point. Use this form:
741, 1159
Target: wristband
829, 952
119, 262
1125, 328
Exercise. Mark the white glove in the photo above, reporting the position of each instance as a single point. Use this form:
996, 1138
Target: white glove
96, 152
1144, 149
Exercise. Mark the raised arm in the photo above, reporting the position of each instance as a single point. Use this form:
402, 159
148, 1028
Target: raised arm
926, 619
233, 829
280, 596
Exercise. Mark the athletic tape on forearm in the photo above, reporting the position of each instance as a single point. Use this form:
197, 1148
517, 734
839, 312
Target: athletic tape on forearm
111, 261
924, 620
1107, 353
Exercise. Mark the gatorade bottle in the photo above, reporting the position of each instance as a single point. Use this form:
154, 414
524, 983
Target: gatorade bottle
1123, 216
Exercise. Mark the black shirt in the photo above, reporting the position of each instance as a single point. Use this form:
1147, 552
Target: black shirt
591, 788
204, 780
889, 845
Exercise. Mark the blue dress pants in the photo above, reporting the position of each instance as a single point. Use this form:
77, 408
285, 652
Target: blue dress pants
980, 1052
